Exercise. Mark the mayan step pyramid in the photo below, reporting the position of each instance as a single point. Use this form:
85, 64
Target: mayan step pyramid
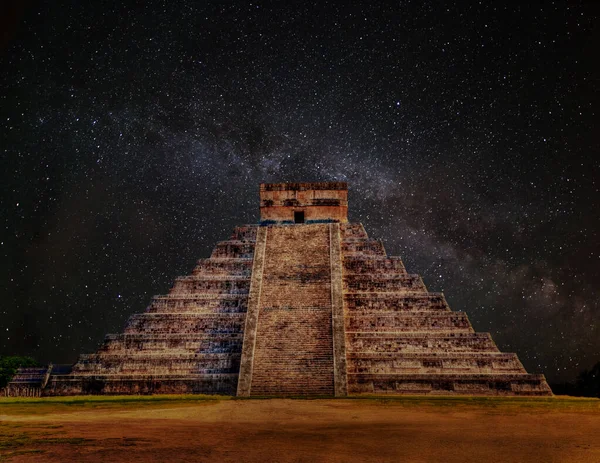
303, 303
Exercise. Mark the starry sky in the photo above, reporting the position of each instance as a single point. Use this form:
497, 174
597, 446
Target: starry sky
133, 137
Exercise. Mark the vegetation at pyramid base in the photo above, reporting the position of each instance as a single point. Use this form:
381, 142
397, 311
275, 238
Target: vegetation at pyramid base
9, 366
587, 384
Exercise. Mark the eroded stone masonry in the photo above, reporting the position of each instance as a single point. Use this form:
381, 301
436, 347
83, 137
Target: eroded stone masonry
303, 303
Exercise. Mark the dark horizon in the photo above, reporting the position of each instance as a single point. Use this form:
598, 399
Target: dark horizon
135, 136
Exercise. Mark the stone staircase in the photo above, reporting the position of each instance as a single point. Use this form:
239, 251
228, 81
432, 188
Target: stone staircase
293, 354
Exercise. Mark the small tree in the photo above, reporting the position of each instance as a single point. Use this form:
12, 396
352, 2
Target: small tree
9, 366
588, 382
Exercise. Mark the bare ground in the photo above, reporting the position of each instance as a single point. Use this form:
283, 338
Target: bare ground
182, 429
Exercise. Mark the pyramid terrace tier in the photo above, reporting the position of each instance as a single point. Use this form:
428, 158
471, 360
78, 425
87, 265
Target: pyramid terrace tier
210, 285
185, 323
353, 231
244, 233
224, 267
221, 383
233, 249
458, 322
157, 363
434, 363
175, 343
373, 265
384, 283
449, 384
389, 303
352, 248
199, 303
419, 342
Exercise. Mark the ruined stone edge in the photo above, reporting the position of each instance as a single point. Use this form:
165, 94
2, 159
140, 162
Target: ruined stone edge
340, 377
247, 360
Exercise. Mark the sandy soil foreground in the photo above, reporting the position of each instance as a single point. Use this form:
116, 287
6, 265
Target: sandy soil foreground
280, 430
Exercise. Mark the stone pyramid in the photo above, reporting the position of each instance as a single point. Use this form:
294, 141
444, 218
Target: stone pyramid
303, 303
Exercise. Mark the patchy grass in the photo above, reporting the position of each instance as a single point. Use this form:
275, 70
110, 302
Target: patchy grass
555, 402
46, 405
562, 403
20, 439
14, 453
493, 405
121, 399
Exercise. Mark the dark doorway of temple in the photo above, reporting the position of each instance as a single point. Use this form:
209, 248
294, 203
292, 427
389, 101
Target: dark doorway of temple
299, 216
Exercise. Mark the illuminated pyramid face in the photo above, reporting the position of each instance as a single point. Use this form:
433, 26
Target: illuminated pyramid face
303, 303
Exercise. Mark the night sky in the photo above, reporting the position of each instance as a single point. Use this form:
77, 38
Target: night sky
133, 137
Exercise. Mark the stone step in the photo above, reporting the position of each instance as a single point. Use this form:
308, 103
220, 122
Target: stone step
415, 321
211, 286
357, 264
182, 316
380, 283
434, 356
158, 365
244, 233
362, 247
355, 303
233, 248
147, 377
152, 323
220, 383
159, 356
199, 303
177, 343
447, 383
237, 267
427, 363
419, 342
182, 337
353, 231
141, 367
204, 277
129, 368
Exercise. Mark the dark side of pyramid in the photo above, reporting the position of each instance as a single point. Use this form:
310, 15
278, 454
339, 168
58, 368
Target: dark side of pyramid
303, 303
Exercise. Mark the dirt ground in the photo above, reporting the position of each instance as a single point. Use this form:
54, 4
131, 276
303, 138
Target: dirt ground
285, 430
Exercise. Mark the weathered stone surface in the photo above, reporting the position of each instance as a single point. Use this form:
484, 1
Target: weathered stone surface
294, 344
337, 314
247, 359
189, 341
307, 202
302, 304
401, 339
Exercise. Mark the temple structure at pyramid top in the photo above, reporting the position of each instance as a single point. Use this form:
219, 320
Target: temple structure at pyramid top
301, 303
287, 203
